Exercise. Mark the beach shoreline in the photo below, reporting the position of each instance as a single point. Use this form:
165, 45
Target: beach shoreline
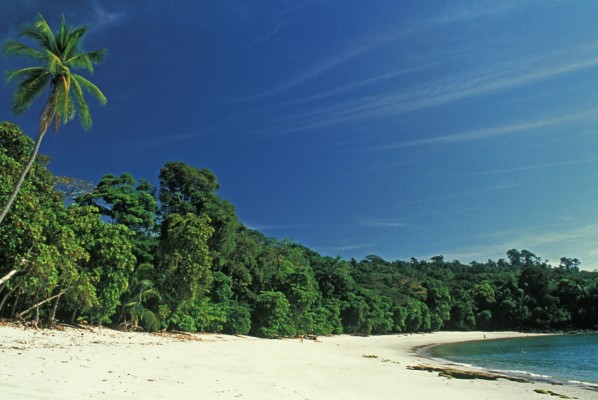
92, 363
425, 351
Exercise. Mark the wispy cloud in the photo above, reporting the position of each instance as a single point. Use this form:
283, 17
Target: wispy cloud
460, 12
342, 248
395, 102
295, 6
374, 41
485, 133
162, 141
22, 12
265, 37
317, 70
357, 85
102, 17
274, 20
380, 223
277, 23
551, 244
530, 168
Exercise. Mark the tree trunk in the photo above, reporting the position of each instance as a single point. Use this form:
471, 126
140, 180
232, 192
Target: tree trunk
15, 287
36, 320
21, 314
54, 307
15, 191
9, 275
14, 306
4, 301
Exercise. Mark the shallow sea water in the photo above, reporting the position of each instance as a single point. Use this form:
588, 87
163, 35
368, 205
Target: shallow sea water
564, 358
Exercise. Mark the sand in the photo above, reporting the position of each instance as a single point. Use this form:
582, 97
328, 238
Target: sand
99, 363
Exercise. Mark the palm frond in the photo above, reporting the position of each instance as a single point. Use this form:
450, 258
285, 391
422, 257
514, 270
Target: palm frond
32, 32
86, 60
24, 73
80, 61
14, 48
64, 102
30, 87
97, 56
91, 88
73, 41
40, 31
60, 51
61, 36
55, 65
46, 32
81, 104
151, 322
150, 293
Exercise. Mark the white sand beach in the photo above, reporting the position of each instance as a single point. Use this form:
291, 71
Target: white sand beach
99, 363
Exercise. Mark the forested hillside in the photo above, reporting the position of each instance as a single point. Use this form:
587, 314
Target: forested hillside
127, 254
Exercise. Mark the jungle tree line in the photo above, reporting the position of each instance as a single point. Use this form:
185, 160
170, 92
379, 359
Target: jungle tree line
127, 254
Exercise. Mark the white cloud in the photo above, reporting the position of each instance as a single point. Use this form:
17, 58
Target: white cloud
102, 17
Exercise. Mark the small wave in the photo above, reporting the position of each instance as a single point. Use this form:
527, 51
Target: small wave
582, 383
530, 374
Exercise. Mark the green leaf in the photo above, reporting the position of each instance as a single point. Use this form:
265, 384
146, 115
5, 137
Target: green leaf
91, 88
14, 48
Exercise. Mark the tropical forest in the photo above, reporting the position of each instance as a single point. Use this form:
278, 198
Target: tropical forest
128, 254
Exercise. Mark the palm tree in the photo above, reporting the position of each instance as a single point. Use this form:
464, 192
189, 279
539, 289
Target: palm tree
59, 53
141, 289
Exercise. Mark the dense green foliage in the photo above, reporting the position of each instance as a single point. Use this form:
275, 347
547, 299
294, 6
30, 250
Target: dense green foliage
118, 256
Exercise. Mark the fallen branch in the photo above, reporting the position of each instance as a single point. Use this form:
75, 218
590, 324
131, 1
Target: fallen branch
27, 311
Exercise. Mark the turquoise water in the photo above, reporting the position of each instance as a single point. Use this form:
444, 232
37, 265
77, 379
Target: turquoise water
565, 358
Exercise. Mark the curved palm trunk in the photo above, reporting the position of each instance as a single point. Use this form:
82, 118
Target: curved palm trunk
15, 191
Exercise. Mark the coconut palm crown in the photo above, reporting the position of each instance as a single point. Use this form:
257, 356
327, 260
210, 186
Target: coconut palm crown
59, 54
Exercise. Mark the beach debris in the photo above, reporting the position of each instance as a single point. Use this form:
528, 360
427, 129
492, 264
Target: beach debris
550, 392
309, 337
449, 372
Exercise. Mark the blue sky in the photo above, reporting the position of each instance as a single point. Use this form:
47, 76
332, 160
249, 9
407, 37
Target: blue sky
401, 129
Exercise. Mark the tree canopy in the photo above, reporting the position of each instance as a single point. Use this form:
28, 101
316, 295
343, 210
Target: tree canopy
117, 256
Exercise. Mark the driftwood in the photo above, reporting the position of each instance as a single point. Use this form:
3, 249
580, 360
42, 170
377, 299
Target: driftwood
448, 372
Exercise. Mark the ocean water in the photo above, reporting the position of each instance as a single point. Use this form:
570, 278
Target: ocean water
561, 358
